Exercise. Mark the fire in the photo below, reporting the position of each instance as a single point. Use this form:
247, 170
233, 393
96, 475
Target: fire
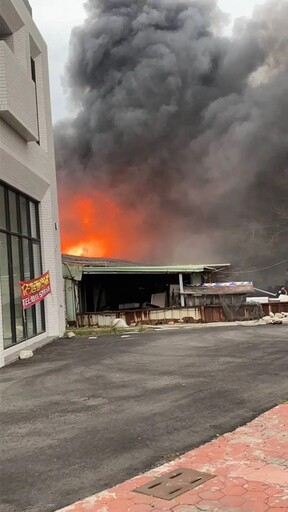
90, 249
94, 225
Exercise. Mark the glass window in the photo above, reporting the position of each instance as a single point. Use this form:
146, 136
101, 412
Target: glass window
34, 221
30, 323
37, 260
24, 215
37, 272
13, 212
20, 260
5, 292
17, 297
2, 209
39, 310
28, 274
26, 260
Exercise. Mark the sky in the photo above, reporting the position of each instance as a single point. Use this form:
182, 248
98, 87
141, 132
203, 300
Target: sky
55, 20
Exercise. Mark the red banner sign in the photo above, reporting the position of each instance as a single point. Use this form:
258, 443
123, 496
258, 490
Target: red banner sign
35, 290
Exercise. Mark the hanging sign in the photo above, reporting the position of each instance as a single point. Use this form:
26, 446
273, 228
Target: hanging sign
35, 291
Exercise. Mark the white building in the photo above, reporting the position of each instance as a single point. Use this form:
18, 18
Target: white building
29, 235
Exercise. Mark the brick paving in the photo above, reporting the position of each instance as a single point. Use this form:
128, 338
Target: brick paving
250, 467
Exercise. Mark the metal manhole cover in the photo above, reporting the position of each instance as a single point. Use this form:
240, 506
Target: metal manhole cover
174, 484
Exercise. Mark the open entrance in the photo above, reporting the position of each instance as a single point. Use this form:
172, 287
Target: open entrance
136, 291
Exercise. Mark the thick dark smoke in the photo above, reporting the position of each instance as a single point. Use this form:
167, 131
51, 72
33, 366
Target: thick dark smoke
185, 124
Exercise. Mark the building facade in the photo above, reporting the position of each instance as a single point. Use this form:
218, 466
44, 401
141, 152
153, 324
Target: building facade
29, 225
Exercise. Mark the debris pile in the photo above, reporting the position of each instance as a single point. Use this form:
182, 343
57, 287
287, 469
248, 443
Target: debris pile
277, 319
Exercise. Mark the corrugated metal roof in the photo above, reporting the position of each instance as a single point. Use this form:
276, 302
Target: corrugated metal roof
110, 266
144, 269
97, 262
151, 269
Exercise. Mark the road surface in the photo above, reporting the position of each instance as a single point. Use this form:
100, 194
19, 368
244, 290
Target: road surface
83, 415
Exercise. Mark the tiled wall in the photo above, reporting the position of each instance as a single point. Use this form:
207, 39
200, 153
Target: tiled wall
30, 167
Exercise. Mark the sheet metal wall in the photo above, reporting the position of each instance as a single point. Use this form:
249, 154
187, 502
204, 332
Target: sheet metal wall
204, 314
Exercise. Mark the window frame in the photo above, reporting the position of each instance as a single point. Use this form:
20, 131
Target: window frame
31, 240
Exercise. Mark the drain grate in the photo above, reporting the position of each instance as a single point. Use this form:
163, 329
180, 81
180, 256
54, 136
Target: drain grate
174, 484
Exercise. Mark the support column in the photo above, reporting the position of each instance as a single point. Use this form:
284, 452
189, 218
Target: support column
182, 297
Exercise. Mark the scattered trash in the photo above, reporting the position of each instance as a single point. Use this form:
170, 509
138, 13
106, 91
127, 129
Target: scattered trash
71, 335
125, 336
26, 354
92, 338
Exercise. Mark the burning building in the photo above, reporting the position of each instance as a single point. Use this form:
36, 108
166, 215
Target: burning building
99, 291
178, 145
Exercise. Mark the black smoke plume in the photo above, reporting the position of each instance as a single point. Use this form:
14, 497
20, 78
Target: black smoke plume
184, 123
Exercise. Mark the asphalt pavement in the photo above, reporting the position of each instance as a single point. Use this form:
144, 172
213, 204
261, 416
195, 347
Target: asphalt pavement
84, 415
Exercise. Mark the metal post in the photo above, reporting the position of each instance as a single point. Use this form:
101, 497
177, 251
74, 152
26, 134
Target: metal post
182, 297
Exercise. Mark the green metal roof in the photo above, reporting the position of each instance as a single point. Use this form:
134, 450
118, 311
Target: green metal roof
112, 266
150, 269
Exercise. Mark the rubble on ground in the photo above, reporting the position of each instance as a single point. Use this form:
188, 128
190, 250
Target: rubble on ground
119, 323
271, 319
277, 319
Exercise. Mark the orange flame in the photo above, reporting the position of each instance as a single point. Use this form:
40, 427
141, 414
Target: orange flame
95, 226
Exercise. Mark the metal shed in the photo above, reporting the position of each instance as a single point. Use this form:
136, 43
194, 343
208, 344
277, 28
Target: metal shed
97, 288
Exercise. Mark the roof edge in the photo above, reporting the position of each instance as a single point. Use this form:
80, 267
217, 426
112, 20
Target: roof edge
121, 266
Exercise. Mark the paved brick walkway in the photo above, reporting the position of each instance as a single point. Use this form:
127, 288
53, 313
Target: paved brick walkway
251, 468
